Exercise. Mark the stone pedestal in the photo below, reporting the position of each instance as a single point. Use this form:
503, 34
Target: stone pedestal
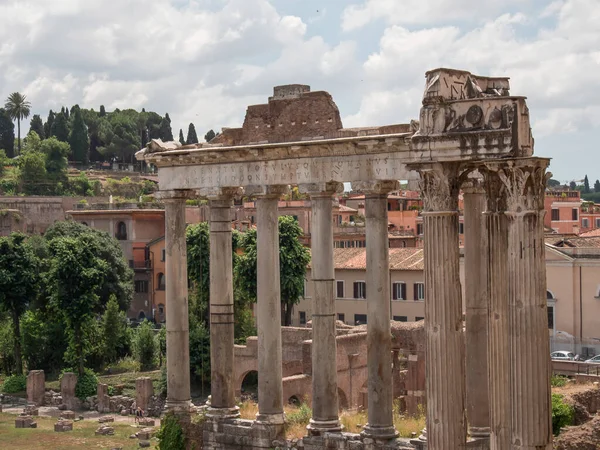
530, 369
270, 389
36, 387
63, 425
143, 392
476, 302
379, 336
67, 390
324, 365
68, 415
24, 421
221, 306
178, 355
103, 398
445, 360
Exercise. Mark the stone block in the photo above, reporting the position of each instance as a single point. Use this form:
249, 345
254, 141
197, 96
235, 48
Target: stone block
68, 415
146, 422
103, 398
106, 419
36, 387
124, 412
145, 434
67, 390
31, 410
144, 444
23, 421
143, 392
105, 430
63, 425
33, 425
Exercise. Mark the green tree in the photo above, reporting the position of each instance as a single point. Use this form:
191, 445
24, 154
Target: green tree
119, 135
165, 129
75, 278
60, 127
32, 173
56, 163
7, 134
3, 161
181, 139
102, 111
586, 185
19, 277
119, 280
32, 142
573, 185
552, 183
44, 339
37, 125
48, 124
192, 137
78, 138
293, 259
597, 186
209, 136
18, 108
145, 346
114, 330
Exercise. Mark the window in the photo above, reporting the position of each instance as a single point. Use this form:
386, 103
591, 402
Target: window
401, 318
339, 285
161, 308
360, 319
399, 291
585, 223
419, 291
360, 289
342, 317
419, 229
419, 318
302, 315
555, 214
597, 223
160, 282
551, 317
575, 214
163, 255
461, 228
121, 231
549, 295
141, 286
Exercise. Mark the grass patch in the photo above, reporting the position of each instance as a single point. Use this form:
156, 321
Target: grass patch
44, 437
126, 380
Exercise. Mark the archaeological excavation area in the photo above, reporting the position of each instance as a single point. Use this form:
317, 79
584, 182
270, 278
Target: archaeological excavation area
487, 370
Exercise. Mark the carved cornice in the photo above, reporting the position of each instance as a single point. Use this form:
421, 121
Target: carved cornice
274, 191
383, 187
218, 193
175, 195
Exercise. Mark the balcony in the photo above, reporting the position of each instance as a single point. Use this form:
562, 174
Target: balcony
140, 265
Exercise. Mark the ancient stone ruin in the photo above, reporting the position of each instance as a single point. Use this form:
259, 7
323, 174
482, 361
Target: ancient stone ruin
473, 135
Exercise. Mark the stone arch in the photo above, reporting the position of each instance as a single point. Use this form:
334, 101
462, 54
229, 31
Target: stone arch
295, 399
121, 231
249, 381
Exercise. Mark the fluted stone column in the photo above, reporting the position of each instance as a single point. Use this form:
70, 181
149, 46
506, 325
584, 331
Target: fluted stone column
498, 332
380, 423
324, 355
530, 369
222, 401
476, 302
178, 352
270, 388
445, 354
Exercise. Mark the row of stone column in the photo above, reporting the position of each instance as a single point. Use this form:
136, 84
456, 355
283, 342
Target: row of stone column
505, 359
324, 374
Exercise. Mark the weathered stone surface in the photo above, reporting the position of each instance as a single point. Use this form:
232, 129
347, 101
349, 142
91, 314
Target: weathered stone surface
67, 390
102, 398
144, 444
36, 387
146, 422
145, 434
23, 421
68, 415
31, 410
106, 419
63, 425
143, 392
105, 431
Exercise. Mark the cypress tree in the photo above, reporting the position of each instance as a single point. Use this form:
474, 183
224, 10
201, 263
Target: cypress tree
79, 139
165, 129
48, 124
7, 133
597, 186
209, 136
37, 125
192, 137
60, 127
181, 139
102, 111
586, 185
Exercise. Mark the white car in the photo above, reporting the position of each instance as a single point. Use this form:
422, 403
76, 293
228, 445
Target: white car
594, 360
563, 356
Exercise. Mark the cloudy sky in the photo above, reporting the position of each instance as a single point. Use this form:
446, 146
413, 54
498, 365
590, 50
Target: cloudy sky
204, 61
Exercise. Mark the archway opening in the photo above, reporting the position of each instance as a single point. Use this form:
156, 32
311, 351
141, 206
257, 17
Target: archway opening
250, 384
294, 400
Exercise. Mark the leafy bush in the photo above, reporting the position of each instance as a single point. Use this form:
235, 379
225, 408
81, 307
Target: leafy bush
170, 436
145, 345
563, 414
15, 383
300, 416
8, 187
558, 380
87, 385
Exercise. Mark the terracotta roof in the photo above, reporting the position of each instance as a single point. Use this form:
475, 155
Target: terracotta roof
400, 258
346, 209
579, 242
591, 233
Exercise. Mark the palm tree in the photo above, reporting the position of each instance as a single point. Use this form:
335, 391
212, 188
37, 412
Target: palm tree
17, 108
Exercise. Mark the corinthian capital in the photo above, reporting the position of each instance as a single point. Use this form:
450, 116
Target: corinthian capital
439, 185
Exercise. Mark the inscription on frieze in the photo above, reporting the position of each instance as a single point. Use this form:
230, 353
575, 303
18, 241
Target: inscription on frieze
286, 171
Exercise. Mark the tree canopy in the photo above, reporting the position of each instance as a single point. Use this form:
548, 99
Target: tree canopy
37, 125
7, 133
79, 138
209, 136
192, 137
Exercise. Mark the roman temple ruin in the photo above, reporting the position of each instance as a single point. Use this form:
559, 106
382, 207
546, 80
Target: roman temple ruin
487, 384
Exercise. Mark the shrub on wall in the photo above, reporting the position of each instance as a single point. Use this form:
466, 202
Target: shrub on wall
14, 384
563, 414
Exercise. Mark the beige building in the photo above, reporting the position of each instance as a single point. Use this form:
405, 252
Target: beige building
407, 287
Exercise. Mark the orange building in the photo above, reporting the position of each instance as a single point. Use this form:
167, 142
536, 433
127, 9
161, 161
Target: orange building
563, 210
590, 217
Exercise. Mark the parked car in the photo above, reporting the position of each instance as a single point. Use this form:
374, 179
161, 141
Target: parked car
594, 360
563, 356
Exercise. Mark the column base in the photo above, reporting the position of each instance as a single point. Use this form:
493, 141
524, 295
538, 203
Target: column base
479, 432
317, 427
379, 433
270, 419
223, 413
180, 407
269, 426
